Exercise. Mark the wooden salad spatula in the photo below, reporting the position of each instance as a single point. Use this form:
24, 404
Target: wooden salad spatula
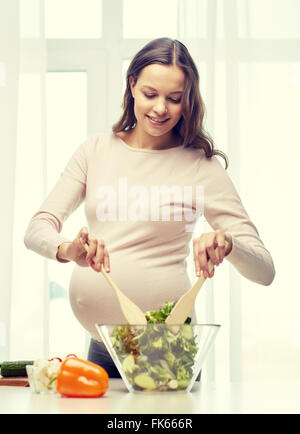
132, 313
185, 304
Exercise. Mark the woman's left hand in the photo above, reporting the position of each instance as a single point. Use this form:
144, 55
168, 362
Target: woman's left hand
210, 246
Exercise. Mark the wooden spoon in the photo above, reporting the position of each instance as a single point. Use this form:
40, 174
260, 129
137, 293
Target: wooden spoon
132, 313
185, 304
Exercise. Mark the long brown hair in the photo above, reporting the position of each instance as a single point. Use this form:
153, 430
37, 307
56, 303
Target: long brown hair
190, 128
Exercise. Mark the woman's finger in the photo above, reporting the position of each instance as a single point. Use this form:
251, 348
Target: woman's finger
196, 257
99, 257
97, 254
84, 231
106, 260
220, 241
86, 248
81, 239
91, 248
212, 254
202, 258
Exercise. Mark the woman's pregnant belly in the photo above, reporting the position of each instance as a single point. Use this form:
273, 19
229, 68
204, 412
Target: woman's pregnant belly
94, 301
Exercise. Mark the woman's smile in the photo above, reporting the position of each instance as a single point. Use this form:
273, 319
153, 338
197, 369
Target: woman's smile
156, 122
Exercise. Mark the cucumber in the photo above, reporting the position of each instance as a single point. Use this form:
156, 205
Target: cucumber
145, 381
128, 364
15, 369
173, 384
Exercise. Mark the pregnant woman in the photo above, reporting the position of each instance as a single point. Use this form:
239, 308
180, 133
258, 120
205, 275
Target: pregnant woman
144, 186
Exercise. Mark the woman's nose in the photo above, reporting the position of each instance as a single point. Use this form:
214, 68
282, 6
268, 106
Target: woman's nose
160, 108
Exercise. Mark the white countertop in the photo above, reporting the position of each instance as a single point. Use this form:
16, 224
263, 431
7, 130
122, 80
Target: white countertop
260, 397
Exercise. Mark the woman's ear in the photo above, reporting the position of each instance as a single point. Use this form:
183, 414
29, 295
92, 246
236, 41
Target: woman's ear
132, 85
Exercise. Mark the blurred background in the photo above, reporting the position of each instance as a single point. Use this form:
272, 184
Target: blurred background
62, 77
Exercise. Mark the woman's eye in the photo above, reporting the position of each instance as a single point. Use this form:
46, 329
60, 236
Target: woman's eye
175, 101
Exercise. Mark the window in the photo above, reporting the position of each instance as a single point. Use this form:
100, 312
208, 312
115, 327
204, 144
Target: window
28, 319
30, 18
66, 118
66, 95
269, 19
65, 19
144, 19
270, 103
2, 74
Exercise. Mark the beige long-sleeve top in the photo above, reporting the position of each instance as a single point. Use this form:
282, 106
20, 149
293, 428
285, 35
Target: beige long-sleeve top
147, 250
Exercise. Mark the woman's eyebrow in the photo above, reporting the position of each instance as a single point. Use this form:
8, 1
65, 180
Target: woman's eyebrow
152, 88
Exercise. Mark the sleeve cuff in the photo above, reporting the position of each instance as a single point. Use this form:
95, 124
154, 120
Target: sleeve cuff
252, 262
50, 247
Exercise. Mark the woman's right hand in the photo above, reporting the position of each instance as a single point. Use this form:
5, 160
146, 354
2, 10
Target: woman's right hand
94, 255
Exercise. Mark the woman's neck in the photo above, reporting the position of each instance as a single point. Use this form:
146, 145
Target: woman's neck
139, 139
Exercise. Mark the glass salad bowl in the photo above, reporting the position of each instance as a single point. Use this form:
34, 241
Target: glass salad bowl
157, 357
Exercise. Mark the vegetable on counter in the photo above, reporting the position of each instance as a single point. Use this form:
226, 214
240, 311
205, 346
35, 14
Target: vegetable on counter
18, 368
153, 357
15, 368
43, 376
81, 378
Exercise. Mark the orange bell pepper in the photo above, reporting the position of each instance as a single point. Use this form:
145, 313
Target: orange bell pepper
81, 378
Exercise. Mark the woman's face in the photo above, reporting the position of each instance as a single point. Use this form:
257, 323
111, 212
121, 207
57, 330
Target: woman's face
158, 98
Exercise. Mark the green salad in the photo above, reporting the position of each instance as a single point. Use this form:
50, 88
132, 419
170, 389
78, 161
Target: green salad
153, 357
